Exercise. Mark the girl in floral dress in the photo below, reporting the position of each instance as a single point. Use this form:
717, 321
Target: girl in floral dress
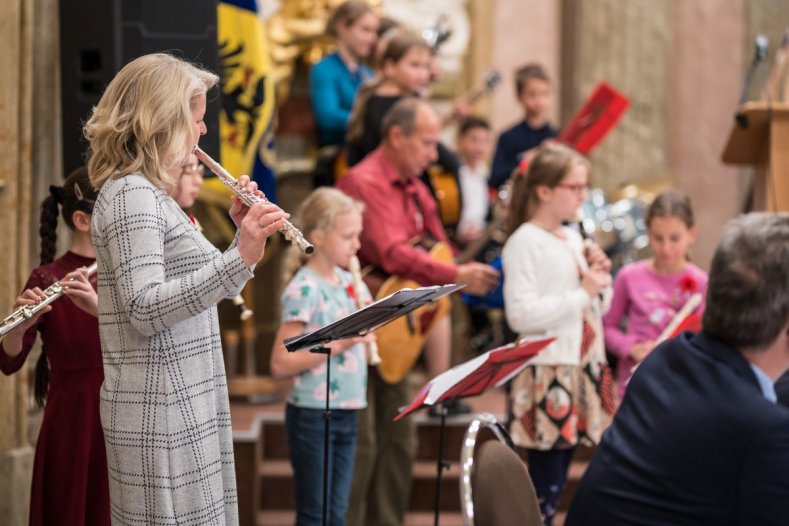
556, 286
648, 293
320, 293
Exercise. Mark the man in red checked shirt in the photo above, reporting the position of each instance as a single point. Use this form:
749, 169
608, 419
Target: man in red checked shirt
399, 208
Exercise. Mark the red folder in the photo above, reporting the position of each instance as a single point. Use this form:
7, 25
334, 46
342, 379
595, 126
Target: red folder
692, 323
479, 374
598, 116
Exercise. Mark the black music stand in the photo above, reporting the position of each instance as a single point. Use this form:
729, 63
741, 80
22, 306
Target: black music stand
472, 378
360, 323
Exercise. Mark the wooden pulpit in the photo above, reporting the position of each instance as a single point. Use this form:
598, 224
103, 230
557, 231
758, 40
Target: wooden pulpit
760, 138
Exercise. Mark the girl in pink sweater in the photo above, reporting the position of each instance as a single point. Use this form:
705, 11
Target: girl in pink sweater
648, 293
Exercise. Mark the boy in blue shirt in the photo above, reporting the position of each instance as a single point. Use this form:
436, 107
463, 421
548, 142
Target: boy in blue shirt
534, 91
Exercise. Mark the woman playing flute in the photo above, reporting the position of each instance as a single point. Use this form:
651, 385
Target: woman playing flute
164, 402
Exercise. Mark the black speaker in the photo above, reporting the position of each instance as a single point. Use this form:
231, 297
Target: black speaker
99, 37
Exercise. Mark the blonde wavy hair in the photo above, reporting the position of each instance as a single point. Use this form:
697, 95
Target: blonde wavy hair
317, 212
142, 124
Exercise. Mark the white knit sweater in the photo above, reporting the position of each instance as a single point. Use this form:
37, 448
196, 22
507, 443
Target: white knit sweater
542, 290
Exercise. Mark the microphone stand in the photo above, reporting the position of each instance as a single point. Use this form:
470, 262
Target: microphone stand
760, 53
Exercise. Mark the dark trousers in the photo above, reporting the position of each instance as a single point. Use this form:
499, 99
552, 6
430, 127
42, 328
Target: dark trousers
384, 455
548, 470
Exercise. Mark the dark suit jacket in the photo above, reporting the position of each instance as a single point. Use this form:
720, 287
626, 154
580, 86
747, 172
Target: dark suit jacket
694, 442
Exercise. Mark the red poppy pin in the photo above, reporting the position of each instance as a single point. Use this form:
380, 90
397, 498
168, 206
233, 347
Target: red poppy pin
687, 284
351, 292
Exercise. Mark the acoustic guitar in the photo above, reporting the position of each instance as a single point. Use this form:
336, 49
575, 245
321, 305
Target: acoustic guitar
400, 342
445, 184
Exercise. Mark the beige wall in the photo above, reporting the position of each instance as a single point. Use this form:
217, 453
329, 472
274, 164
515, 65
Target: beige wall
707, 72
30, 149
625, 44
523, 31
16, 38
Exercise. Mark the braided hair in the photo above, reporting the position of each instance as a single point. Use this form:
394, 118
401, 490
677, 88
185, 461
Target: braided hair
76, 195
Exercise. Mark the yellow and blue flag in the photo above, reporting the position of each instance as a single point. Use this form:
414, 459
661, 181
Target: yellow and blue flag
246, 122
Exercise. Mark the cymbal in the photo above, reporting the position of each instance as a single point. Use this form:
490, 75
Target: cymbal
644, 190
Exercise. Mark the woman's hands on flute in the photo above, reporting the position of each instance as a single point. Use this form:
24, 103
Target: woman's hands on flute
80, 291
238, 209
258, 223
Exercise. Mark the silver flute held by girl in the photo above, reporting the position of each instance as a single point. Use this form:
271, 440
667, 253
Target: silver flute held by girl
25, 312
290, 232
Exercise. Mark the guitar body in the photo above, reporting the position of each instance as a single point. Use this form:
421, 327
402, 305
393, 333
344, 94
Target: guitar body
445, 184
447, 192
340, 165
400, 342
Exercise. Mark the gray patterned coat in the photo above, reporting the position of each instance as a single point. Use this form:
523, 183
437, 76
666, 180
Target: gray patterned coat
164, 402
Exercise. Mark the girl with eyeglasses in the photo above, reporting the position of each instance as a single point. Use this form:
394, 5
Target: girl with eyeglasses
558, 287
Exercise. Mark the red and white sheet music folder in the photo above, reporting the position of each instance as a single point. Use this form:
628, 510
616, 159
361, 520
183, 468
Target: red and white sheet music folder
471, 378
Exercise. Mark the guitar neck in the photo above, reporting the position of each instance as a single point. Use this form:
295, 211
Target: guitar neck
472, 96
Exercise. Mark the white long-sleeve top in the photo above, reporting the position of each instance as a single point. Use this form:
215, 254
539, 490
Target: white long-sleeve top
474, 189
542, 290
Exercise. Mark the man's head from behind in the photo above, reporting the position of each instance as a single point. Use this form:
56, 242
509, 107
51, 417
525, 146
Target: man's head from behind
748, 291
411, 131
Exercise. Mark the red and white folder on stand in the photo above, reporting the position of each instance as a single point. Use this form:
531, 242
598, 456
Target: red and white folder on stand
474, 377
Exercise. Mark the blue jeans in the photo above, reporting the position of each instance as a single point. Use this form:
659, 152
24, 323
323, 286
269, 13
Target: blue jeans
305, 439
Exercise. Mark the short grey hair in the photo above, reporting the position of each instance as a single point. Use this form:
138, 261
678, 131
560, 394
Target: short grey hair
748, 291
403, 115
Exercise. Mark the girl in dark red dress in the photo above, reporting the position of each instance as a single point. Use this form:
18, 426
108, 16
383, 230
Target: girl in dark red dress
70, 470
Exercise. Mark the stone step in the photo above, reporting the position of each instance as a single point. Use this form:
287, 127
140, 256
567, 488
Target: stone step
275, 472
275, 446
276, 486
263, 464
287, 518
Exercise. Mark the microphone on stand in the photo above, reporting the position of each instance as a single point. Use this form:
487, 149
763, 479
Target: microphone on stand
760, 53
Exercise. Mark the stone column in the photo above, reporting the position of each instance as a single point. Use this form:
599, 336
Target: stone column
627, 45
479, 58
707, 72
16, 39
522, 31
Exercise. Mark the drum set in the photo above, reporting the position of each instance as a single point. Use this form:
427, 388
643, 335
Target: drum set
619, 227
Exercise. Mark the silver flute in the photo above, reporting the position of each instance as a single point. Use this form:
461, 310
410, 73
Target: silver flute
290, 232
25, 312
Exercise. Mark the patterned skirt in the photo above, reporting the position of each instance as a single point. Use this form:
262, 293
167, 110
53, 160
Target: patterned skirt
558, 406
